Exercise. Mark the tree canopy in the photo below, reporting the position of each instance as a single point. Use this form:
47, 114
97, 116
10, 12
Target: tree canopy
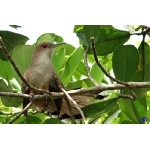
103, 62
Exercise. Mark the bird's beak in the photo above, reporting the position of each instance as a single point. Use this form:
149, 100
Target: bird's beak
59, 44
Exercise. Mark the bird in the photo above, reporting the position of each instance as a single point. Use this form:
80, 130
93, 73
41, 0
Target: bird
41, 74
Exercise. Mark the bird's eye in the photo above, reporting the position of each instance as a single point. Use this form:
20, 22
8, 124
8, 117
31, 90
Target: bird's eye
44, 45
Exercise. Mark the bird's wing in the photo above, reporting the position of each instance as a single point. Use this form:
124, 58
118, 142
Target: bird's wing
54, 87
26, 101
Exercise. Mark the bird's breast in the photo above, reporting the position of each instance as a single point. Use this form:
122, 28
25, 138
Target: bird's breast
39, 76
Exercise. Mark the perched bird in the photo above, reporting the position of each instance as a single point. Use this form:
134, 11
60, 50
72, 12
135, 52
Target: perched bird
41, 74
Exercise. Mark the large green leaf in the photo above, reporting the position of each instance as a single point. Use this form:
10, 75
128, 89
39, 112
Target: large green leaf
91, 31
71, 64
127, 107
11, 40
140, 108
5, 70
6, 73
135, 110
98, 109
69, 49
58, 58
49, 37
143, 73
8, 101
125, 62
22, 57
109, 38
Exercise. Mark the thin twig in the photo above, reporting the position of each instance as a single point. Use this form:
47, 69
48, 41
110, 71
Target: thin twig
66, 99
125, 96
17, 70
143, 54
105, 72
20, 113
144, 32
101, 67
87, 67
76, 105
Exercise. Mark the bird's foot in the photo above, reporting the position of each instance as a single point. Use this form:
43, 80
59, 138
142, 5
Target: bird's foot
46, 96
32, 96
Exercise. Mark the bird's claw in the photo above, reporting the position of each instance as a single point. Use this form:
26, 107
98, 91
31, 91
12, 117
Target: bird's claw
32, 96
46, 96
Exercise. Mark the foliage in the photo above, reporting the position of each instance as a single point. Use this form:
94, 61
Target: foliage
124, 62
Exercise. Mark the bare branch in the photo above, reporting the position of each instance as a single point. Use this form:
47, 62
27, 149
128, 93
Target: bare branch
76, 105
20, 113
88, 68
96, 89
66, 99
125, 96
145, 30
102, 68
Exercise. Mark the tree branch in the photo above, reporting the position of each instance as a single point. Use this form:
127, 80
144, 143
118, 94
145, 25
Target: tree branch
20, 113
66, 99
96, 89
106, 73
144, 32
101, 67
88, 68
76, 105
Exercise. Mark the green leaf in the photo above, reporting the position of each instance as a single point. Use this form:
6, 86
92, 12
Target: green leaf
125, 62
76, 84
91, 31
20, 120
53, 121
5, 72
11, 40
96, 73
32, 119
140, 108
69, 49
109, 38
148, 105
112, 116
71, 64
126, 106
88, 82
22, 57
143, 73
15, 26
8, 101
59, 54
98, 109
77, 28
81, 69
82, 37
49, 37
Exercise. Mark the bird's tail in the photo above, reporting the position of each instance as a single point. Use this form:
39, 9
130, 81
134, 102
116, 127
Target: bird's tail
81, 100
